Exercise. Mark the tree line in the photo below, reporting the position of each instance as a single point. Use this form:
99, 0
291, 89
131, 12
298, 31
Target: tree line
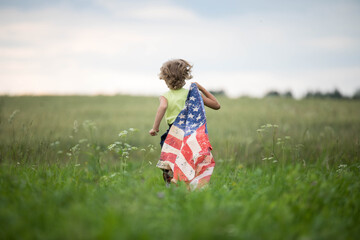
336, 94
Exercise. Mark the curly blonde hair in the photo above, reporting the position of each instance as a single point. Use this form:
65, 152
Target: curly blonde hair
175, 72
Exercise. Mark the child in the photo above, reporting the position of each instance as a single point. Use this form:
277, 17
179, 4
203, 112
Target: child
175, 72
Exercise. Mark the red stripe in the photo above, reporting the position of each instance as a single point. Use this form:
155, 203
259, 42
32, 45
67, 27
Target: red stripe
188, 155
203, 140
171, 157
186, 138
200, 159
203, 168
173, 141
179, 175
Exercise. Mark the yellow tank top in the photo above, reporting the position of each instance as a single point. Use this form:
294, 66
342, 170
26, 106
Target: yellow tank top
175, 103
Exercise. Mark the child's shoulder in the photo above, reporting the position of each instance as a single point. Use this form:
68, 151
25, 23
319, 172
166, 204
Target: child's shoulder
175, 92
166, 94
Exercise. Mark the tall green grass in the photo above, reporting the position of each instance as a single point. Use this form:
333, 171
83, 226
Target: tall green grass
292, 202
318, 130
84, 168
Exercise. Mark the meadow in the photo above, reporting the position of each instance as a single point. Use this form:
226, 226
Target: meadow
83, 167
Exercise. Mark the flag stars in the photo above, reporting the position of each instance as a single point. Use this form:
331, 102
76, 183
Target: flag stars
192, 98
182, 116
195, 109
190, 115
181, 122
198, 117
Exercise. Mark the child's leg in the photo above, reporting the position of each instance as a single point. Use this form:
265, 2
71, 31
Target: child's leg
162, 139
167, 175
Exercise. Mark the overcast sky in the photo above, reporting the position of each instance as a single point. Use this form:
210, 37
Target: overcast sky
242, 47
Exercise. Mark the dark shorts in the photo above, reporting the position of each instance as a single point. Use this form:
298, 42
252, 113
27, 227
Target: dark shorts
163, 137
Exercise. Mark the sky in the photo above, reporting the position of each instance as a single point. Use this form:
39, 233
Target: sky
117, 47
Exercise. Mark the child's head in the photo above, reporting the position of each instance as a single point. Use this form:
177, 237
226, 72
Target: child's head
175, 72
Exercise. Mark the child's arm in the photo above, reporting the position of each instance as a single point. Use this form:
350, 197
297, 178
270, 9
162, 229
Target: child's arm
209, 99
159, 115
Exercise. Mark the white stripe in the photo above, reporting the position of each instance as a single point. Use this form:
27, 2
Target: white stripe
169, 149
194, 146
206, 173
185, 167
165, 165
177, 132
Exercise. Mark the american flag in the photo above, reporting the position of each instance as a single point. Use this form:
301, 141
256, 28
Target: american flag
187, 150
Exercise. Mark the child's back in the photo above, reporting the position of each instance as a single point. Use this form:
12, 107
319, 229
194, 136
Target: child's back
175, 103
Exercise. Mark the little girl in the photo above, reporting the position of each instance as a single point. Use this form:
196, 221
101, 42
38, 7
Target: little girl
175, 72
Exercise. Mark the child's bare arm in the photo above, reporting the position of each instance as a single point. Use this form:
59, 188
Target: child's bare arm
209, 99
159, 116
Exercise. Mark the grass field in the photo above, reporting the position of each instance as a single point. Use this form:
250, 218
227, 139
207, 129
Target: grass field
285, 169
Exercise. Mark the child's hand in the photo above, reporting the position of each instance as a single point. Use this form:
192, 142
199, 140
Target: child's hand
153, 132
209, 99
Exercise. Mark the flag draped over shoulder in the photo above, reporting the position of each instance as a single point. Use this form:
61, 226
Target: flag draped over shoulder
187, 150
